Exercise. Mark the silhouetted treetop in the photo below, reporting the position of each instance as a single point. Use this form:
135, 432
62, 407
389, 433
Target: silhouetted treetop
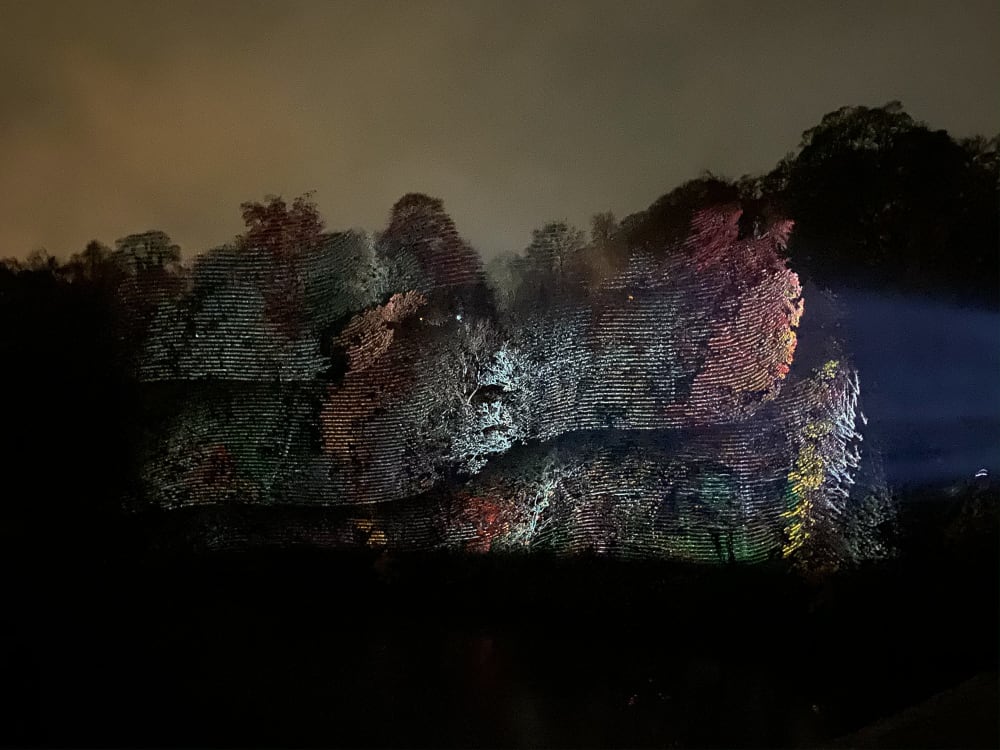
148, 250
667, 220
281, 230
420, 229
880, 199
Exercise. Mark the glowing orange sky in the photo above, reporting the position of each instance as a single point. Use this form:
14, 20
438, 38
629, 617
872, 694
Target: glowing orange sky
121, 117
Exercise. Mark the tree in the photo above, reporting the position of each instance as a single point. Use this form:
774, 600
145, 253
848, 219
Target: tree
421, 230
283, 231
820, 518
94, 264
607, 254
39, 261
603, 228
149, 251
551, 263
513, 509
667, 222
151, 278
751, 336
487, 406
504, 276
283, 235
553, 250
369, 421
880, 199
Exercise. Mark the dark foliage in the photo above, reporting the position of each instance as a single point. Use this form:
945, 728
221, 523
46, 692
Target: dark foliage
883, 201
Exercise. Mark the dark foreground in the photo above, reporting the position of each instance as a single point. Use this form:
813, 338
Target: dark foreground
280, 648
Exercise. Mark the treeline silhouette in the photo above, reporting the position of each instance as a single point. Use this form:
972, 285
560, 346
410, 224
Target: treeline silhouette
878, 200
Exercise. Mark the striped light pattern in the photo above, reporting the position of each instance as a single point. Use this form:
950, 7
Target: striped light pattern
652, 409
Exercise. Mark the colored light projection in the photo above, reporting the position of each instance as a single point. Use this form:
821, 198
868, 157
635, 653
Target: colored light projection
625, 396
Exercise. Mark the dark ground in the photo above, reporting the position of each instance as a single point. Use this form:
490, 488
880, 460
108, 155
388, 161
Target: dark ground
959, 717
307, 648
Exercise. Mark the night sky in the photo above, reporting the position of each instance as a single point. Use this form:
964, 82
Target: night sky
121, 117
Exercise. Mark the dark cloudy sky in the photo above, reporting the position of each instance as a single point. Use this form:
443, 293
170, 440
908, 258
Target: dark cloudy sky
120, 117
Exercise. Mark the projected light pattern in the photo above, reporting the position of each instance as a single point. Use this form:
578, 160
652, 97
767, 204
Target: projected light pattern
635, 401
